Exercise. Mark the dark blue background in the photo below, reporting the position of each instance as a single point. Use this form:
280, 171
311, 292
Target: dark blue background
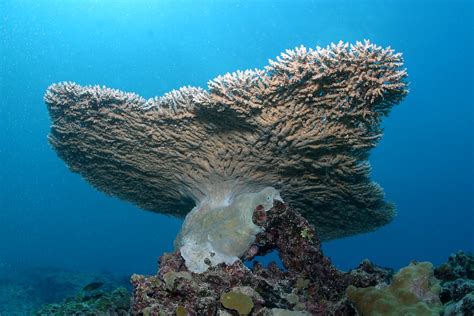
49, 216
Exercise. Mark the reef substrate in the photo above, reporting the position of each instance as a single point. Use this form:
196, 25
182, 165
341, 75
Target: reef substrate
308, 285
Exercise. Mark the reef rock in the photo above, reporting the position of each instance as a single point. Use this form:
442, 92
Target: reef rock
308, 285
305, 125
457, 284
414, 291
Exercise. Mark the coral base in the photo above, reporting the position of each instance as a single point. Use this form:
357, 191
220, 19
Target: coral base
308, 284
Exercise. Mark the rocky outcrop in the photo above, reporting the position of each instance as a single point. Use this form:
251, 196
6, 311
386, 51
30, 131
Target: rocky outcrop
306, 284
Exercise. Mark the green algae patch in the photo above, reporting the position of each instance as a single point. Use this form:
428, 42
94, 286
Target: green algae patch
237, 301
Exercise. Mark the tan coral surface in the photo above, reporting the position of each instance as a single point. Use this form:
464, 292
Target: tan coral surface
414, 291
304, 125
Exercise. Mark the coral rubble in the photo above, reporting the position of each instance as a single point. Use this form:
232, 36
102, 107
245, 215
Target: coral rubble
98, 302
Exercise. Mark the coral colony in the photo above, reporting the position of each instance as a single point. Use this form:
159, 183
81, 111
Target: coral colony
264, 159
304, 125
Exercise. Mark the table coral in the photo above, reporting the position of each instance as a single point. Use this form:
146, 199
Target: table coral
304, 125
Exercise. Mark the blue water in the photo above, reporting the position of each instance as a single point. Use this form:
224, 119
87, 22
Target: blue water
51, 217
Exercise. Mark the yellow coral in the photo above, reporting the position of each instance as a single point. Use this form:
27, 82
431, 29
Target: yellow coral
414, 291
181, 311
237, 301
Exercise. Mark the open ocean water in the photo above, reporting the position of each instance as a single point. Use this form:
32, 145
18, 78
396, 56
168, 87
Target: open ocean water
52, 219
